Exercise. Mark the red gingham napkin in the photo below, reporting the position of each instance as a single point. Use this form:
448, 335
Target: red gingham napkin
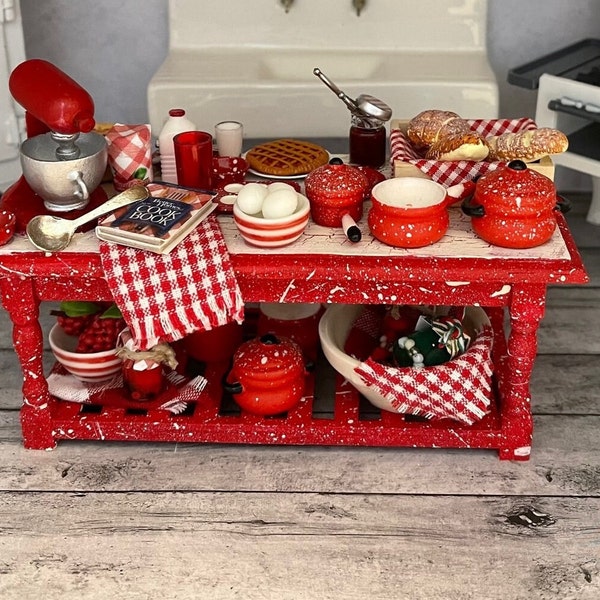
454, 172
164, 297
175, 398
460, 389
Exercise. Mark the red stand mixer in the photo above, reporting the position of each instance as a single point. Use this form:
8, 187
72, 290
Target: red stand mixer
63, 161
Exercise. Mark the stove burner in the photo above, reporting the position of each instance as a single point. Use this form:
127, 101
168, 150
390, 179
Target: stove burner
591, 77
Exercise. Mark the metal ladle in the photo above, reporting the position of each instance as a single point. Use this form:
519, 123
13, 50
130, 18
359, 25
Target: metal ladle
51, 234
364, 106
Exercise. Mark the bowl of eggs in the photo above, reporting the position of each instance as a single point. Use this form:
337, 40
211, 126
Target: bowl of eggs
270, 215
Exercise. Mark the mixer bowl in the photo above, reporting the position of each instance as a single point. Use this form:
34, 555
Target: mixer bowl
64, 185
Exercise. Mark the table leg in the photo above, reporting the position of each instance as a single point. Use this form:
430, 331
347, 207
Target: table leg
22, 305
526, 310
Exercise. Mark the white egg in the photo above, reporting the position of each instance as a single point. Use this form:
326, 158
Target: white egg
280, 203
250, 198
233, 188
279, 185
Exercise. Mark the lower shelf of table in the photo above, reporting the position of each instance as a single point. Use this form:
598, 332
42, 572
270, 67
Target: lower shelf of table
344, 419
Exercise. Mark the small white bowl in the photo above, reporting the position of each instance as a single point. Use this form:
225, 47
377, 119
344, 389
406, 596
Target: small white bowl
273, 233
91, 367
334, 328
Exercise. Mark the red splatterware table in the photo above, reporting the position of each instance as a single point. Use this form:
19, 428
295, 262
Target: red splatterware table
320, 267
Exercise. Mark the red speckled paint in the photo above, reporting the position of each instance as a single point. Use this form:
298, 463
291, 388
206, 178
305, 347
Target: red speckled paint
501, 282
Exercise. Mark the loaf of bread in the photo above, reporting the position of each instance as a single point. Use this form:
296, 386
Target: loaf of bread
444, 135
528, 146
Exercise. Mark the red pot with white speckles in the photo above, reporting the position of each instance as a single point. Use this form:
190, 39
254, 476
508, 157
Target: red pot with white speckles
412, 212
267, 376
514, 207
334, 190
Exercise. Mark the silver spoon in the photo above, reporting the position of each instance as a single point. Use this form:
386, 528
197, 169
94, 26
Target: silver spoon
51, 234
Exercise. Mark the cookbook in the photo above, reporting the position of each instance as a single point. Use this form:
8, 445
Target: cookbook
159, 222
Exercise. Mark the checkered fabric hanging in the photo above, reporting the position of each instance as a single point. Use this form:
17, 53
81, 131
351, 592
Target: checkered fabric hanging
460, 389
454, 172
164, 297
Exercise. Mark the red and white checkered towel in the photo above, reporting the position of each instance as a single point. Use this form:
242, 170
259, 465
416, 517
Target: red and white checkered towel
454, 172
460, 389
180, 391
164, 297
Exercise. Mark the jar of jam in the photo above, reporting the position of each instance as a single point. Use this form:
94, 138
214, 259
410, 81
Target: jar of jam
368, 142
144, 371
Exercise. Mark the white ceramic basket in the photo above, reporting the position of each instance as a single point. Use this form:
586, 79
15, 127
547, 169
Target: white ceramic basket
334, 328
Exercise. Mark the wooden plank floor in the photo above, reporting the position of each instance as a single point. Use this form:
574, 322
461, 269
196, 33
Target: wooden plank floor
137, 521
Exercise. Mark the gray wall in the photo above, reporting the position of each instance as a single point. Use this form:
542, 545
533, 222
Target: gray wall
113, 47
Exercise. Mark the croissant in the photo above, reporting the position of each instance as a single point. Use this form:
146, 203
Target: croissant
527, 146
444, 135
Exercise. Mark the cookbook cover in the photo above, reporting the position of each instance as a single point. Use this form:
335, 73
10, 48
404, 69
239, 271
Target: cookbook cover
159, 222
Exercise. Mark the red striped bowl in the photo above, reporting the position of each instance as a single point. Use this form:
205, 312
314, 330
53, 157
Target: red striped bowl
273, 233
91, 367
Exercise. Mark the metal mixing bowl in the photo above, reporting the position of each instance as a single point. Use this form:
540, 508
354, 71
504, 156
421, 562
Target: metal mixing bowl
64, 184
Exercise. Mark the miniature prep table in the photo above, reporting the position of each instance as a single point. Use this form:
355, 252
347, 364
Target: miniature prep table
320, 267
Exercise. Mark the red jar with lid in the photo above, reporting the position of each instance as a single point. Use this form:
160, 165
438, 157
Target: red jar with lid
334, 190
368, 142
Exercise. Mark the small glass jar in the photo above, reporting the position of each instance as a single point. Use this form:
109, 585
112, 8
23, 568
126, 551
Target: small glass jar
367, 142
144, 371
143, 384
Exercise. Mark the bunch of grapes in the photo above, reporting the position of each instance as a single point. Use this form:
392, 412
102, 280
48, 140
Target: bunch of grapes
95, 324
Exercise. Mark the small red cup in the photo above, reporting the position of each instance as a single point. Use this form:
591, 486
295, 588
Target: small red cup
194, 159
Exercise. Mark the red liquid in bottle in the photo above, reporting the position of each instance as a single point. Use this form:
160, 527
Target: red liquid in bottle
367, 146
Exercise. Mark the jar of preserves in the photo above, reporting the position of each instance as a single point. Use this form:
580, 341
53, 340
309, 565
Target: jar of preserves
367, 141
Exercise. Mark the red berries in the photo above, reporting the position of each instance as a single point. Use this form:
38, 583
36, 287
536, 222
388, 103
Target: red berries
74, 325
96, 324
101, 334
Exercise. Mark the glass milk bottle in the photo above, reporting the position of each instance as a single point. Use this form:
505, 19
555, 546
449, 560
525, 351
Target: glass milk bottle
176, 123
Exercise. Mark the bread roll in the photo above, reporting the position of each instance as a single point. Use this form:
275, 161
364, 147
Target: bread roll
527, 146
444, 135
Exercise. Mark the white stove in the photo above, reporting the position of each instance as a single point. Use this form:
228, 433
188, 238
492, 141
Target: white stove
568, 83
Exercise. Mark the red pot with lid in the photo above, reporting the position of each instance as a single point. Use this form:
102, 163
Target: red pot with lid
334, 190
267, 375
514, 207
